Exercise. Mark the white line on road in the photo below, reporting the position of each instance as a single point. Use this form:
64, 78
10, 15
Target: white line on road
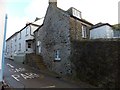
10, 65
52, 86
15, 77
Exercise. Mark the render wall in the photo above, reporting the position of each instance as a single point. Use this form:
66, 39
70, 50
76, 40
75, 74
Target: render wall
101, 32
13, 47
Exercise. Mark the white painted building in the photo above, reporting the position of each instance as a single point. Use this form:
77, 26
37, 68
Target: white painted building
22, 42
101, 30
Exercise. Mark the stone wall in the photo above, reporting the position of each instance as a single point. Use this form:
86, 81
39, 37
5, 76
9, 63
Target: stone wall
76, 29
54, 35
97, 62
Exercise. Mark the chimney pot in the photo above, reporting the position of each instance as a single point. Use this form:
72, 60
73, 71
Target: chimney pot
53, 2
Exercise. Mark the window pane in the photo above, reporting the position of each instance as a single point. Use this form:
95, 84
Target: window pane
84, 31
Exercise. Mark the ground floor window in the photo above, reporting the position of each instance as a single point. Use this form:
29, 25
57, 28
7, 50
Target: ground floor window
29, 45
57, 55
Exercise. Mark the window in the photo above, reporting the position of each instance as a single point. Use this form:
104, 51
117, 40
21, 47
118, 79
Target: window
15, 38
29, 45
15, 48
57, 55
39, 46
19, 46
76, 13
27, 29
39, 49
20, 36
38, 33
84, 31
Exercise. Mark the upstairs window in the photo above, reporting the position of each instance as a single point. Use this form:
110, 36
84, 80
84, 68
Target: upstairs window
84, 31
20, 35
15, 48
19, 46
27, 30
15, 38
76, 13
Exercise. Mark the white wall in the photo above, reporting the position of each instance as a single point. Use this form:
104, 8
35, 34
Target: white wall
24, 36
101, 32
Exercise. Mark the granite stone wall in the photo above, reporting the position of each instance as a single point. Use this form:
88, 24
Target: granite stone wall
54, 35
76, 30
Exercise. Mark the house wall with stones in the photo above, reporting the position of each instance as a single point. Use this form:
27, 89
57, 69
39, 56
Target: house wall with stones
76, 29
54, 35
53, 39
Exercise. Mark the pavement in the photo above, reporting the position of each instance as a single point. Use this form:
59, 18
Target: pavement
18, 75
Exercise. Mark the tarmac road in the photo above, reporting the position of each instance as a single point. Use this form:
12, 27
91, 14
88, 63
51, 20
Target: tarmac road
18, 75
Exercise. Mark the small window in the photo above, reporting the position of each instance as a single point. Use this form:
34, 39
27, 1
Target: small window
76, 13
15, 48
84, 31
29, 45
20, 35
15, 38
57, 55
19, 46
27, 29
40, 49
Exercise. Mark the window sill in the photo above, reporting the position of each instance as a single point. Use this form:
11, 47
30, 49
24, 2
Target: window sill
57, 59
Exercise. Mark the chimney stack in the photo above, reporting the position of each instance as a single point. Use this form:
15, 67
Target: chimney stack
53, 2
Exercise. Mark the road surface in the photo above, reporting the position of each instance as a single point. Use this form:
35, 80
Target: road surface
18, 75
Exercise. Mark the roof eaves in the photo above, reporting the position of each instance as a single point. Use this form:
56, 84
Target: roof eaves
101, 25
38, 28
82, 20
12, 35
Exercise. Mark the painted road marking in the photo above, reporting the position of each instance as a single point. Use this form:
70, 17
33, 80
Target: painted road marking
20, 69
29, 75
10, 65
25, 76
52, 86
16, 77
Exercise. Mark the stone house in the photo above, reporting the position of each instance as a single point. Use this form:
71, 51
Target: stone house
54, 38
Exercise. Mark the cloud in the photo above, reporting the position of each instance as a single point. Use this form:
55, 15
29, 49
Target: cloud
14, 24
37, 8
92, 10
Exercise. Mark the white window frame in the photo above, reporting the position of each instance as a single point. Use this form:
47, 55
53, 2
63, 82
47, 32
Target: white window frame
39, 46
27, 30
84, 31
57, 55
76, 13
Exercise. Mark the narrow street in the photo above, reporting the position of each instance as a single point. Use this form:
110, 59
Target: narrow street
18, 75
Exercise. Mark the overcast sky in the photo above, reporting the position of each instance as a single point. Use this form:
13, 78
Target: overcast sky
22, 11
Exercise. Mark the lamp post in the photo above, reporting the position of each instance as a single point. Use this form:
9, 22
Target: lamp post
4, 43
